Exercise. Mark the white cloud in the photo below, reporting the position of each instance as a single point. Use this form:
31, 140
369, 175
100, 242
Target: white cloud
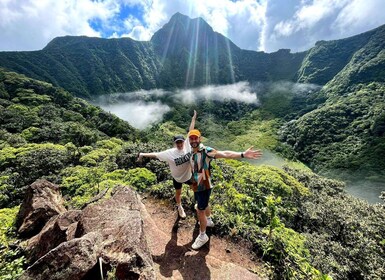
138, 113
258, 25
30, 25
285, 86
240, 92
298, 24
143, 108
358, 15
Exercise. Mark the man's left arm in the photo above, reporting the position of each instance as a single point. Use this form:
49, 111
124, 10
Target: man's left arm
249, 154
193, 119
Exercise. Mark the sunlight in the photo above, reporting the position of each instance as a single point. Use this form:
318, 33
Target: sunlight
206, 68
193, 56
229, 54
165, 50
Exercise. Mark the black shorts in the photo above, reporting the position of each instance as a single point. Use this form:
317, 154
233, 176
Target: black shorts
202, 198
178, 185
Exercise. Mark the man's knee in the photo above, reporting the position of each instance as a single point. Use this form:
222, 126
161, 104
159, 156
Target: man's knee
201, 210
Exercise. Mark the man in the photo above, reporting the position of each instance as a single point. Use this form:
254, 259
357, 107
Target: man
178, 159
200, 164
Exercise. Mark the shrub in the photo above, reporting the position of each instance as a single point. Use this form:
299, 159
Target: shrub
12, 261
141, 178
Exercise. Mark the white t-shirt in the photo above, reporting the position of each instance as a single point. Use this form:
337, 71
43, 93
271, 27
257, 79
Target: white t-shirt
179, 161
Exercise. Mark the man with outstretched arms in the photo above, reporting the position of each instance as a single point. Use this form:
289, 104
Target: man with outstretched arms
201, 179
178, 159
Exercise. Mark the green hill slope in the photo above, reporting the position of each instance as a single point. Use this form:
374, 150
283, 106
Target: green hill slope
42, 129
184, 53
328, 58
89, 66
346, 134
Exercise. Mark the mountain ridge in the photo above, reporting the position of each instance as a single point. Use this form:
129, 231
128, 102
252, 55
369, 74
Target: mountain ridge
184, 53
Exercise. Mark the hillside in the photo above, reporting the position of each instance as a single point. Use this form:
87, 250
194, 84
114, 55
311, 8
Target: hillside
298, 224
42, 129
184, 53
345, 135
291, 218
89, 66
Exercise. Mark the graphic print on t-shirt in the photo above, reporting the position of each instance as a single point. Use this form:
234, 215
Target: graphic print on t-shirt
183, 159
179, 162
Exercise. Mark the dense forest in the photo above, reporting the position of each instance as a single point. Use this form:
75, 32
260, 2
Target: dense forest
301, 225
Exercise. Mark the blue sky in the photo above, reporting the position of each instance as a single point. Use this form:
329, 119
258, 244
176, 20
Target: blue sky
263, 25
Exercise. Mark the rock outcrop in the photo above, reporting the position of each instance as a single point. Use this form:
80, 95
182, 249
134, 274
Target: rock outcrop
83, 244
42, 201
119, 236
59, 229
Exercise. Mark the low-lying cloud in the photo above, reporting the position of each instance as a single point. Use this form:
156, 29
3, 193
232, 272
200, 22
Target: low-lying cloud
270, 158
285, 86
144, 107
139, 113
241, 92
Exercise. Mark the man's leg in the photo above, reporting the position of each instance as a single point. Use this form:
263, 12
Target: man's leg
208, 211
202, 199
178, 198
202, 220
209, 221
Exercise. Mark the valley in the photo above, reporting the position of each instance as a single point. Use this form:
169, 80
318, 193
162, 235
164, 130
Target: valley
78, 112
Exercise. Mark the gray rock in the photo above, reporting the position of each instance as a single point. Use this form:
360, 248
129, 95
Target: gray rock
42, 201
110, 230
70, 260
59, 229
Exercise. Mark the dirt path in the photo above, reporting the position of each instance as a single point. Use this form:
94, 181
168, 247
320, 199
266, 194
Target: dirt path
170, 240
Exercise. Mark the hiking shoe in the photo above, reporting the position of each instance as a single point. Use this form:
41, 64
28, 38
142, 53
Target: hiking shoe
210, 223
181, 212
200, 241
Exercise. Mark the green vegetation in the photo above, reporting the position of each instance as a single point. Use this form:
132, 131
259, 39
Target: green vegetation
345, 235
43, 129
89, 67
303, 225
345, 135
12, 261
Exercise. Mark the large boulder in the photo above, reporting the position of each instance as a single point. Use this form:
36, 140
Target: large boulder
108, 234
59, 229
70, 260
42, 201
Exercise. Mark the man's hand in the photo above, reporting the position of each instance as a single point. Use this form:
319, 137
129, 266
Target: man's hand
252, 154
139, 158
195, 115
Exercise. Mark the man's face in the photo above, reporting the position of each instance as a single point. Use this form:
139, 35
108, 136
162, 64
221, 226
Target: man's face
179, 144
194, 141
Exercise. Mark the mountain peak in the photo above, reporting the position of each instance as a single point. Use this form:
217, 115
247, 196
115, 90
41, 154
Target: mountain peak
182, 23
178, 15
183, 32
183, 19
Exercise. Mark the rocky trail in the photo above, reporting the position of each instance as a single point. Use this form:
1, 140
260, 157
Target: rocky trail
124, 236
170, 239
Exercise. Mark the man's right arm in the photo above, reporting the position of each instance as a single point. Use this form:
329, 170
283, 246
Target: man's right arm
149, 155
